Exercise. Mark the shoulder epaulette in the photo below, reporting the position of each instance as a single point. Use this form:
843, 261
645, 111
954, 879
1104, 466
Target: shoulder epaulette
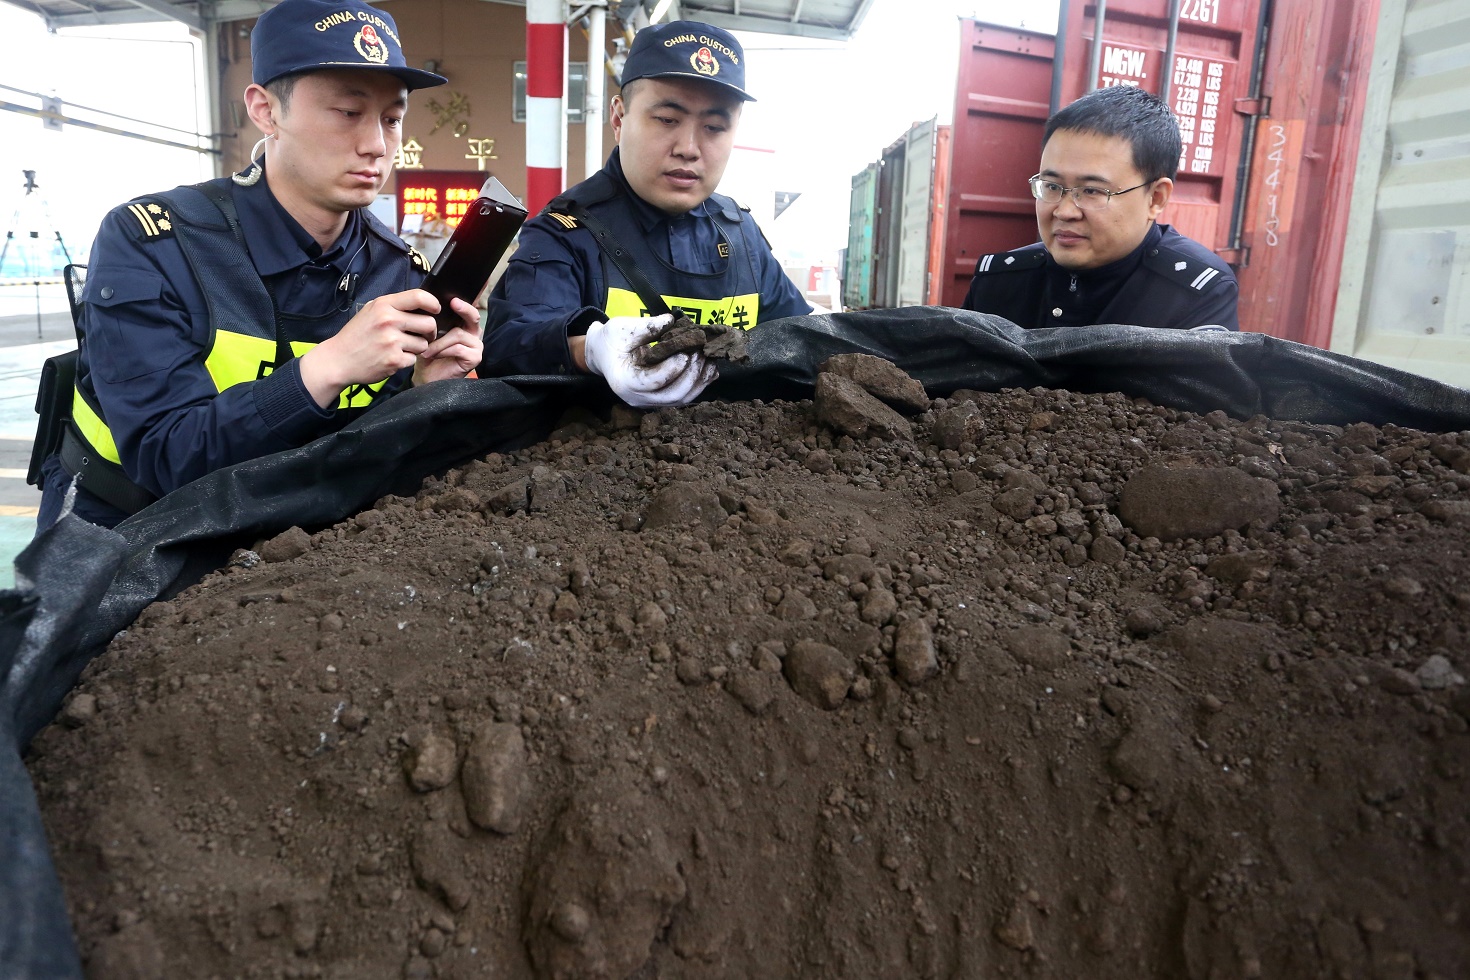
731, 209
1183, 269
566, 221
1017, 261
420, 262
153, 219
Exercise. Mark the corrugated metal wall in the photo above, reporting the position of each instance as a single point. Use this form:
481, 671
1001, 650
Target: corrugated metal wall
1001, 98
1404, 298
918, 212
857, 275
1314, 90
888, 225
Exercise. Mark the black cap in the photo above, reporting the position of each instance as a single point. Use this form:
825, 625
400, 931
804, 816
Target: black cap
688, 49
308, 35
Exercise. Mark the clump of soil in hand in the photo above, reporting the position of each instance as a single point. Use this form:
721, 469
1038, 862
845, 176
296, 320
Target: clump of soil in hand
682, 335
1029, 683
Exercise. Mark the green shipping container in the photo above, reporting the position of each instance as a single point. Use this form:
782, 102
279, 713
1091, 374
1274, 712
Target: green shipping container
857, 273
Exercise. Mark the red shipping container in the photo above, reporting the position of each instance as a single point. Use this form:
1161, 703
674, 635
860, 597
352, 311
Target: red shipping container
1270, 100
995, 142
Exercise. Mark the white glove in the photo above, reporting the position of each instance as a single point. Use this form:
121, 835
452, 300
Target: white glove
609, 352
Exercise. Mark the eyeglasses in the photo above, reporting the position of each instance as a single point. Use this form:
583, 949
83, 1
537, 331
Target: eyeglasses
1086, 198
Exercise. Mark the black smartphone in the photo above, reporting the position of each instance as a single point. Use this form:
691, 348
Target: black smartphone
479, 240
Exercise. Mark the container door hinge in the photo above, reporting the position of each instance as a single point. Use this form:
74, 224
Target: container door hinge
1254, 107
1238, 258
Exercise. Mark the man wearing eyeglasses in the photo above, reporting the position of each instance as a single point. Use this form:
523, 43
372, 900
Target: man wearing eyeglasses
1107, 170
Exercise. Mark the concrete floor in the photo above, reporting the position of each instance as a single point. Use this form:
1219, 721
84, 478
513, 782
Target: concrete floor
34, 325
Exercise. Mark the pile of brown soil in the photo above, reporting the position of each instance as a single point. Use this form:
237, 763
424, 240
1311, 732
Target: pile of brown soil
1030, 684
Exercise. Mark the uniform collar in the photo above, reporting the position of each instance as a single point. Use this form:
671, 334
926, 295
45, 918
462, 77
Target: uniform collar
277, 241
649, 217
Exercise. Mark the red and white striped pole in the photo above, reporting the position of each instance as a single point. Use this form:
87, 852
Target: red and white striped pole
546, 101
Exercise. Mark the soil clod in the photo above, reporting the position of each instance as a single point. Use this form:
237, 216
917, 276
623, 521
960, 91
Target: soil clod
718, 341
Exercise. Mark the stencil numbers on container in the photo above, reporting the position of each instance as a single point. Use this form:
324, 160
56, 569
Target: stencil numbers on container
1200, 11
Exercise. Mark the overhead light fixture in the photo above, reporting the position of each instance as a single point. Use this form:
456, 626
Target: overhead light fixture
659, 9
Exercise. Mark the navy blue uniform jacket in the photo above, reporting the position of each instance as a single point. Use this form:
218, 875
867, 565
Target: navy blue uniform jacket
1168, 281
554, 285
148, 332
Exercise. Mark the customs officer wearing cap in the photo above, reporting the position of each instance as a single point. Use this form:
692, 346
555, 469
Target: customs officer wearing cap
595, 271
1107, 171
244, 316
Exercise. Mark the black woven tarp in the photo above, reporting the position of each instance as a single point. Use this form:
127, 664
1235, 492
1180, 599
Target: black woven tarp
78, 585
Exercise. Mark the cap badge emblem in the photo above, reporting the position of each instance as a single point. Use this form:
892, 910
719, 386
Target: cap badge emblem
370, 46
704, 62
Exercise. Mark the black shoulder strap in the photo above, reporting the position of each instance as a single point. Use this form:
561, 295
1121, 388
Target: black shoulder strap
222, 198
213, 241
653, 301
596, 189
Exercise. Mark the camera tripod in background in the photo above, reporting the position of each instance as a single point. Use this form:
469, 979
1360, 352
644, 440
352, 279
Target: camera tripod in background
27, 208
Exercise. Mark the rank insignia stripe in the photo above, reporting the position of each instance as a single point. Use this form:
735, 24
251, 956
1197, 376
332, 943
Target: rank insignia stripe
1204, 279
1009, 262
153, 219
420, 262
565, 220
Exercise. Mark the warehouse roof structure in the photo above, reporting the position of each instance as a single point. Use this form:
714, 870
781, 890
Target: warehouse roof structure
829, 19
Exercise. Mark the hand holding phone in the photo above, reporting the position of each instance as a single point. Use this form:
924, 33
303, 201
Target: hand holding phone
483, 234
